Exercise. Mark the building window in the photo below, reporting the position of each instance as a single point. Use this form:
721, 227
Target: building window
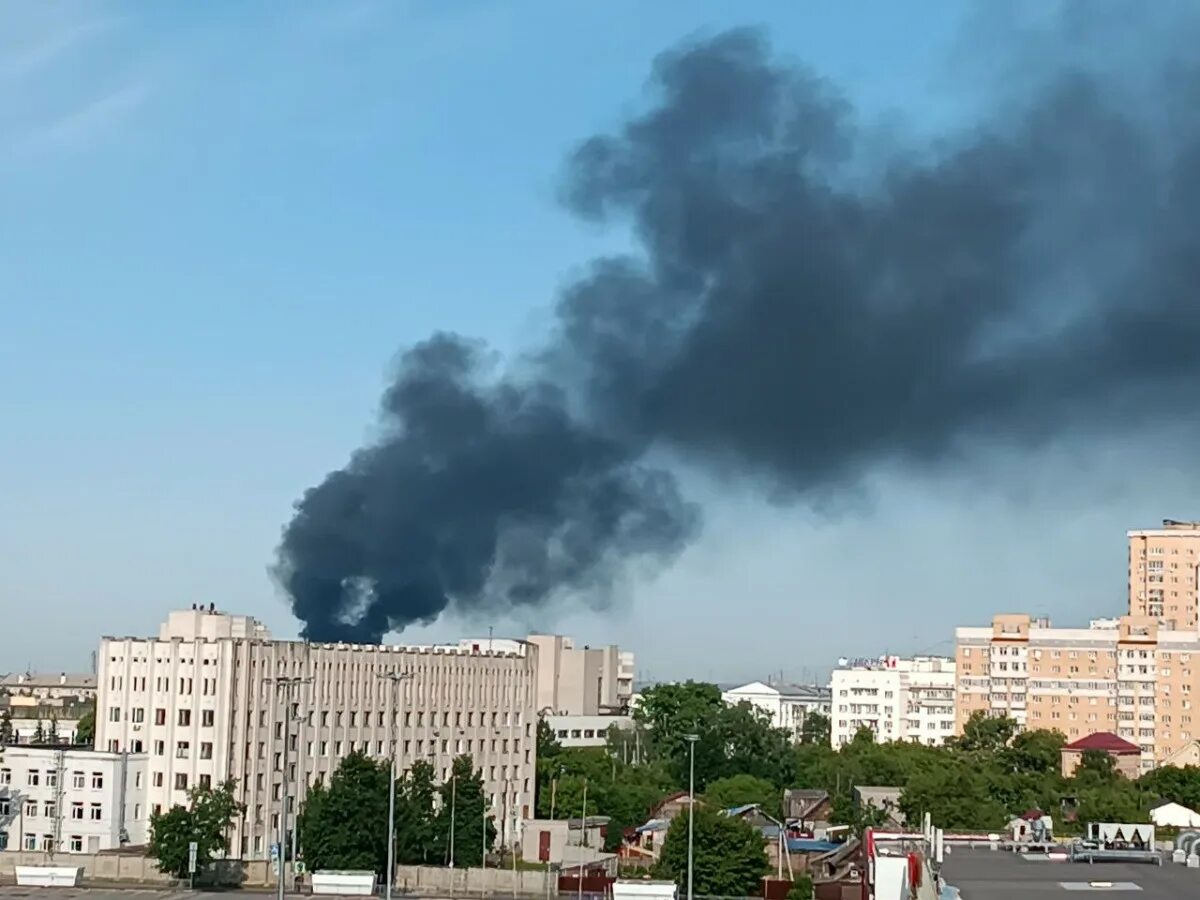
183, 750
49, 810
31, 842
114, 714
205, 781
94, 812
158, 779
185, 718
77, 811
160, 716
5, 776
160, 748
206, 718
31, 808
206, 750
98, 780
77, 843
181, 781
139, 715
51, 778
33, 778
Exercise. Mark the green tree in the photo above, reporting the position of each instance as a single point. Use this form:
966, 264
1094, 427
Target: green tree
1180, 784
206, 820
1037, 751
1097, 765
416, 834
671, 712
6, 727
729, 860
987, 734
816, 729
463, 803
39, 734
344, 825
52, 731
85, 731
739, 790
801, 889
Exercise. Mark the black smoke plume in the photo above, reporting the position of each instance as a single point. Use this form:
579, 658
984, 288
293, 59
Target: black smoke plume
799, 313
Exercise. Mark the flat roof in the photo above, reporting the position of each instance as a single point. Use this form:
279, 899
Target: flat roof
982, 874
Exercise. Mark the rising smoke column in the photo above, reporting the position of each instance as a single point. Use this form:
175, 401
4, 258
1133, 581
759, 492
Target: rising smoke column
793, 315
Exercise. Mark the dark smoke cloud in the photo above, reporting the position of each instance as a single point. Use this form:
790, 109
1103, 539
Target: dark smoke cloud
793, 317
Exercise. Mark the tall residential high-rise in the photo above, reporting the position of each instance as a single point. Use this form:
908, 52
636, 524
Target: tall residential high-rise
1130, 676
205, 700
896, 699
1164, 574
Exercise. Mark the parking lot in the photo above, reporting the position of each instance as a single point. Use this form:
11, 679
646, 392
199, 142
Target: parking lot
982, 874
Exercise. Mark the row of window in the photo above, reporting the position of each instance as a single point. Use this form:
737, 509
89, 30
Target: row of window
162, 685
49, 778
183, 717
50, 809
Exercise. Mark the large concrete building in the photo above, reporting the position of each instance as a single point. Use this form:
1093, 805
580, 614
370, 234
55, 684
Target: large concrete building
71, 800
1164, 574
897, 699
206, 702
1131, 676
788, 705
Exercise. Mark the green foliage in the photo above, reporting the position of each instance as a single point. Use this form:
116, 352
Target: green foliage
6, 727
986, 734
463, 805
738, 790
1097, 765
801, 889
1037, 752
729, 859
343, 825
39, 734
816, 729
416, 831
52, 731
1179, 784
85, 731
205, 820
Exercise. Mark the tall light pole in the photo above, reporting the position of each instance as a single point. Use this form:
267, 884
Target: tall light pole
394, 712
691, 739
453, 811
284, 685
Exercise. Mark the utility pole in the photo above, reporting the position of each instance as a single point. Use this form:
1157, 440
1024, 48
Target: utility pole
453, 810
284, 685
393, 712
691, 739
60, 767
582, 838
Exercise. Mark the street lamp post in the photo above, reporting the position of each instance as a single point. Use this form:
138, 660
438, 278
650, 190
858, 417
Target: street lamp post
691, 739
395, 678
284, 685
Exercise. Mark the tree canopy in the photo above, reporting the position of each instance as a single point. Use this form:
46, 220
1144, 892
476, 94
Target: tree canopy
730, 858
205, 820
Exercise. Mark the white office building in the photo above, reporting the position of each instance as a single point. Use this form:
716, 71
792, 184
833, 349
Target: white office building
896, 699
788, 705
585, 731
205, 702
71, 800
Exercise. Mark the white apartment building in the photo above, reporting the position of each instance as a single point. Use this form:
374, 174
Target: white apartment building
585, 731
788, 705
897, 699
71, 800
42, 686
204, 702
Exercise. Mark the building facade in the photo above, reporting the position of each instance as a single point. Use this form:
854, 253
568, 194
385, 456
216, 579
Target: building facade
897, 699
209, 701
788, 705
585, 731
1130, 676
1164, 574
71, 800
37, 687
581, 681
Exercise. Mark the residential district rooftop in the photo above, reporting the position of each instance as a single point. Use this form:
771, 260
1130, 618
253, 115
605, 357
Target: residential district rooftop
983, 874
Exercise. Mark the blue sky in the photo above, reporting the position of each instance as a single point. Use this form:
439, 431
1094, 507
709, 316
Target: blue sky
220, 222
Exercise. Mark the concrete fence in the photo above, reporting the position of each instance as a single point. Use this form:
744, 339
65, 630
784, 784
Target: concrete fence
138, 869
437, 880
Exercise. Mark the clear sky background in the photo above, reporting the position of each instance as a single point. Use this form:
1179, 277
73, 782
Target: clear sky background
220, 221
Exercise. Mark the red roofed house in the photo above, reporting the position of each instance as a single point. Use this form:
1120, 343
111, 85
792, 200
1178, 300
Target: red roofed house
1126, 757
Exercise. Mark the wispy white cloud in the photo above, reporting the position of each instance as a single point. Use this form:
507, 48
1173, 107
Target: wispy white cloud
89, 122
19, 63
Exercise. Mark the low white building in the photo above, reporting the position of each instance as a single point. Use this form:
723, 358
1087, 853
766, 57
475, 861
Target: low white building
72, 800
788, 705
585, 731
897, 699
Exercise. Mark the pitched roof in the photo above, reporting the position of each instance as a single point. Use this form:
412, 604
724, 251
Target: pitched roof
1104, 741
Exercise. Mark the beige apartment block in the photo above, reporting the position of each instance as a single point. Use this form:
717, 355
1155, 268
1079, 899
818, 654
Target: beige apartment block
204, 702
1129, 676
1164, 574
